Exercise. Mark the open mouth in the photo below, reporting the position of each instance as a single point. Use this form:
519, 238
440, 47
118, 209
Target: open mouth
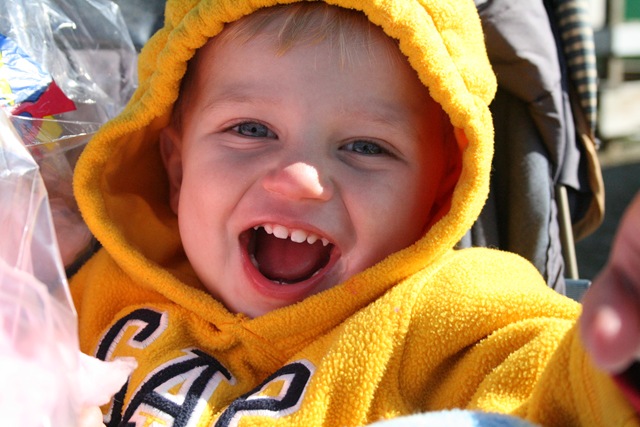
285, 256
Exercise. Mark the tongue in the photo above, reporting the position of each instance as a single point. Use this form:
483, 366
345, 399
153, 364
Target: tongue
287, 261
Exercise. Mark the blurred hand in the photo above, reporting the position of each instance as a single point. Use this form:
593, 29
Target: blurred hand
610, 322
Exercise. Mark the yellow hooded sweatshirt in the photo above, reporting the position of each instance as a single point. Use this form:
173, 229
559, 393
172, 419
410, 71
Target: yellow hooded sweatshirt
428, 328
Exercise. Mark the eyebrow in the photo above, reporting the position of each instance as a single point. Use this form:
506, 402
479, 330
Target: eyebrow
241, 92
377, 110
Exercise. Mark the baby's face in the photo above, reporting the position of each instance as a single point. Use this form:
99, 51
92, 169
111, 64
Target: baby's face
294, 172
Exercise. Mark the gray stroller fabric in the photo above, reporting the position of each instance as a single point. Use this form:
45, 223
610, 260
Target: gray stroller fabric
537, 144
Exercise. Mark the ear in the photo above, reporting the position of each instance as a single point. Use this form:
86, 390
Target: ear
171, 152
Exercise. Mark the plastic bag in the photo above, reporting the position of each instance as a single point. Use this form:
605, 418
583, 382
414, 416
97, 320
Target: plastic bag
56, 145
64, 50
55, 53
83, 44
27, 89
46, 380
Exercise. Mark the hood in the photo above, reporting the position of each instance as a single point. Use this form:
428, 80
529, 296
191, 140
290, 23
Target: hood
121, 185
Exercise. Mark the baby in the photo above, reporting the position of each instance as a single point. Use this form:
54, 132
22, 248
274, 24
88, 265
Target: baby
278, 207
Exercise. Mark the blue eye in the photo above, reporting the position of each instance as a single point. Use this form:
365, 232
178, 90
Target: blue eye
253, 130
367, 148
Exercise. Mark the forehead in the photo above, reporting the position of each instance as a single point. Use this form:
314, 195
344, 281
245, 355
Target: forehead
351, 37
287, 26
230, 66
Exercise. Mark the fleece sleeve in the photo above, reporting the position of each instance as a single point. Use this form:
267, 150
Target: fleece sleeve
506, 343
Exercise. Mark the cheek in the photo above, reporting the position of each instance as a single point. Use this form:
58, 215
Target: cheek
189, 222
197, 210
392, 219
424, 189
409, 204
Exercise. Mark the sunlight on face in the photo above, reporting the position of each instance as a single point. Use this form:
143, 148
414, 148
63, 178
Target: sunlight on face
293, 172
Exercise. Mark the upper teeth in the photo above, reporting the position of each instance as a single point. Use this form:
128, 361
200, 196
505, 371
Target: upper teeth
296, 235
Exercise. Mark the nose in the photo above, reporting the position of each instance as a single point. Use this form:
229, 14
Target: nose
298, 181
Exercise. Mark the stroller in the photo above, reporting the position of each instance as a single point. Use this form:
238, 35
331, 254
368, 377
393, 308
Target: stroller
547, 187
